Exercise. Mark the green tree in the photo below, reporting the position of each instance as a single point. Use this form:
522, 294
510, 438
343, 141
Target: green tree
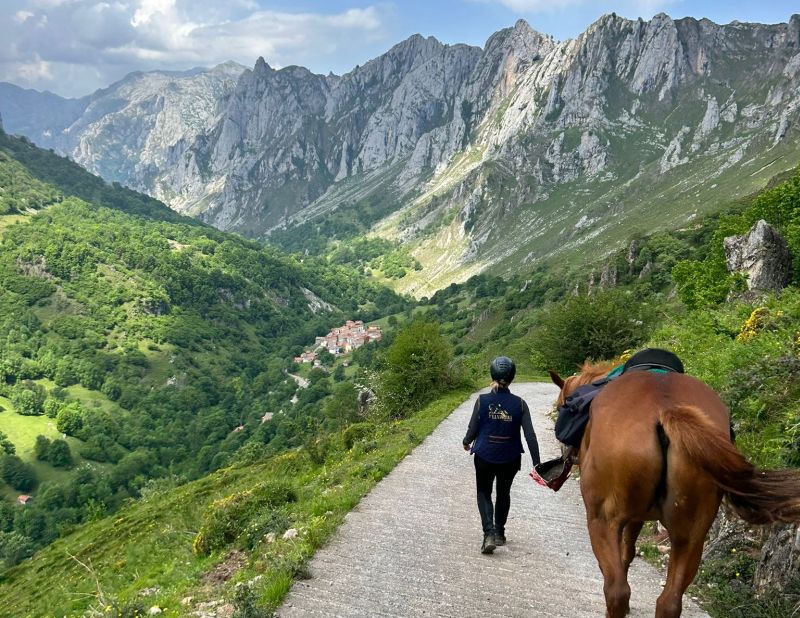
41, 448
70, 420
14, 548
594, 327
326, 358
417, 369
65, 372
29, 399
17, 473
59, 454
52, 407
338, 373
342, 405
6, 446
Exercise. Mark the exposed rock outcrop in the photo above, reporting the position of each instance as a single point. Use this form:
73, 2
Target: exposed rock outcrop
762, 255
608, 278
779, 563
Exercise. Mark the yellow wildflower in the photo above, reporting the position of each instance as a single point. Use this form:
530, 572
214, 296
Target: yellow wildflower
753, 324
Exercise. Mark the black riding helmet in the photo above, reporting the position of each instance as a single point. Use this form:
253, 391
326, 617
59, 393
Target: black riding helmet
502, 369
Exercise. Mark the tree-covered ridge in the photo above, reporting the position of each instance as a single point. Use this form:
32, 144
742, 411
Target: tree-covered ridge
19, 191
341, 237
147, 338
42, 172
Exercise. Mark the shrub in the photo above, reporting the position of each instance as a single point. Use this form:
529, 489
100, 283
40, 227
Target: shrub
245, 600
702, 284
270, 520
356, 432
228, 518
6, 446
417, 370
592, 327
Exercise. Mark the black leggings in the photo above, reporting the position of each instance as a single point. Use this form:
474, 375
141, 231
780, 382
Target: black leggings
494, 519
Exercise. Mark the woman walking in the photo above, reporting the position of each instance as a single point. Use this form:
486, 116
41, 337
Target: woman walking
493, 437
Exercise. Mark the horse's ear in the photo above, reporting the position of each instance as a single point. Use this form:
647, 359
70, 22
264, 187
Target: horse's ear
557, 380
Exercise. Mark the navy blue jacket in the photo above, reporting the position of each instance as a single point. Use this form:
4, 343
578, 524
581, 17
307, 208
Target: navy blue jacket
495, 427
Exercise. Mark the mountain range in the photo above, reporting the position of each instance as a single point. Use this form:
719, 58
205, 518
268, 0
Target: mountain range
492, 158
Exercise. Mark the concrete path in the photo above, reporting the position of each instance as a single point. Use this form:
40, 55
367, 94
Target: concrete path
301, 381
412, 546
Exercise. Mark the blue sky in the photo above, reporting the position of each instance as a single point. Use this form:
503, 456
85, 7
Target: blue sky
73, 47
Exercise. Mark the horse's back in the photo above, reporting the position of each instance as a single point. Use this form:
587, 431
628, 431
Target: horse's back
638, 398
623, 457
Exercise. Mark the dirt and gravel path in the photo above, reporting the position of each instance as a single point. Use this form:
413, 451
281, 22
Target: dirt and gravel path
412, 546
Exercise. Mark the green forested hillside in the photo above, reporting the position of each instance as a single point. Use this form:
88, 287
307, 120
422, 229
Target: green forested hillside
152, 343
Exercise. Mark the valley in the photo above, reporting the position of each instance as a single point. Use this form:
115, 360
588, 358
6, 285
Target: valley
173, 248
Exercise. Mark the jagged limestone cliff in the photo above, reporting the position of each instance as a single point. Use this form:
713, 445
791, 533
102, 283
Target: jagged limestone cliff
490, 158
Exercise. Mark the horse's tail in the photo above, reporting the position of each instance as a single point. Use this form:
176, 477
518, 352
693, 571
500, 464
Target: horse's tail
757, 496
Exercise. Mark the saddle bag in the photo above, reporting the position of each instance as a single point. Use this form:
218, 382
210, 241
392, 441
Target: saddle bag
573, 416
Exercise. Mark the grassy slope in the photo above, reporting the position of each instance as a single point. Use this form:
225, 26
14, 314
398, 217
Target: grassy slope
150, 542
22, 431
226, 345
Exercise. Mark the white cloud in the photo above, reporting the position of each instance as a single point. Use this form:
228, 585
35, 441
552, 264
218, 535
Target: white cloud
537, 6
34, 70
149, 8
638, 7
99, 41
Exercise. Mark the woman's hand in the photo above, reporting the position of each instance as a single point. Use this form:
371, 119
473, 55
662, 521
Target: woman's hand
467, 447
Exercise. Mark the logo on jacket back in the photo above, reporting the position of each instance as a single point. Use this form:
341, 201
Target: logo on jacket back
497, 413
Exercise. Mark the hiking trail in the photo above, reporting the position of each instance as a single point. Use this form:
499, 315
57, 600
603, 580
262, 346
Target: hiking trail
412, 546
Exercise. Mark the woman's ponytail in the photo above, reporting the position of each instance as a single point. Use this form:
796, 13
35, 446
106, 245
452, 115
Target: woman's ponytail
498, 384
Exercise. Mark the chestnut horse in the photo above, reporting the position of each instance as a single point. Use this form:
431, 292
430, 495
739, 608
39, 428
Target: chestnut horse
658, 447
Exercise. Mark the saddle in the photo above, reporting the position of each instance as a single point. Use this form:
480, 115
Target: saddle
573, 415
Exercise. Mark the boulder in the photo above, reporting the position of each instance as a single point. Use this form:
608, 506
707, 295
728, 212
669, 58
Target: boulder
779, 563
762, 255
608, 278
366, 397
633, 253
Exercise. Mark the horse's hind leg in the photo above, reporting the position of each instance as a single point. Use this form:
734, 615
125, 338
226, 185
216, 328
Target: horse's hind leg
629, 536
606, 540
687, 520
683, 563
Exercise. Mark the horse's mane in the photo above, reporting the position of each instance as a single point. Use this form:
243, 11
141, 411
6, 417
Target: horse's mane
587, 373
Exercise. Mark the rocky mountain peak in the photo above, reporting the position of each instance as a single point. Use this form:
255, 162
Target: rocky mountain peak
794, 31
261, 67
522, 39
414, 50
229, 67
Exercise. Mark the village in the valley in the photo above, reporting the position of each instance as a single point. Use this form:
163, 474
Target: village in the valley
341, 340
